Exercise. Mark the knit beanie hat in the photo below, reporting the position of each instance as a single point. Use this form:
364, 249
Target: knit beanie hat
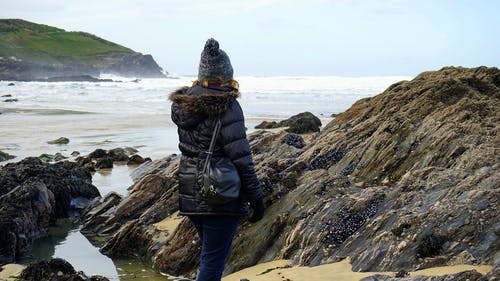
215, 65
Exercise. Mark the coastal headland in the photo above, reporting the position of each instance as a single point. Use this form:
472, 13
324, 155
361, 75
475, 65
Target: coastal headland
37, 52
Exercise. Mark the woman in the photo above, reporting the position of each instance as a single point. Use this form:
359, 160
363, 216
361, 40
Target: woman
195, 111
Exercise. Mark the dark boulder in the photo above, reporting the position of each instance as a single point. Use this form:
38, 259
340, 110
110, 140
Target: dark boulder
50, 158
61, 140
11, 84
10, 100
267, 125
55, 270
301, 123
98, 153
136, 160
119, 154
33, 194
104, 163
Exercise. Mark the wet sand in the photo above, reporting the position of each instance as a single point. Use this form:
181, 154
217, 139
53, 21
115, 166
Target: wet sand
154, 135
341, 271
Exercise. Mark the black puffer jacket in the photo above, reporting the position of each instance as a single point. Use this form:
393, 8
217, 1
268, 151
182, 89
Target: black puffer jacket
195, 111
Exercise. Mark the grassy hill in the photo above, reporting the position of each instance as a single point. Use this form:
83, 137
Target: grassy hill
47, 51
46, 44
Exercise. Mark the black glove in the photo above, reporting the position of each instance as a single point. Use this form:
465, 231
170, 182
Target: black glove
257, 206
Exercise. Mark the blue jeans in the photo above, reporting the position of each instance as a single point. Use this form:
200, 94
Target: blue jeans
216, 235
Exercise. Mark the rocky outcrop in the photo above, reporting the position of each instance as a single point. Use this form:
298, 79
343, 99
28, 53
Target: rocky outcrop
301, 123
130, 221
32, 195
55, 270
402, 181
121, 64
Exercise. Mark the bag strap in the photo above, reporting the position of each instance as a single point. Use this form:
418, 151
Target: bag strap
210, 151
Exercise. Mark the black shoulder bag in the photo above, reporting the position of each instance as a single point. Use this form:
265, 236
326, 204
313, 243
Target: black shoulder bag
219, 181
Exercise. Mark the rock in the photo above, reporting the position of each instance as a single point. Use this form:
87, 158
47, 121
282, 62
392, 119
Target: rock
6, 96
90, 166
119, 154
61, 140
130, 150
11, 84
135, 160
470, 275
294, 140
100, 212
165, 166
116, 154
150, 200
10, 100
98, 153
49, 158
33, 194
104, 163
333, 115
301, 123
267, 125
55, 269
4, 156
75, 153
128, 223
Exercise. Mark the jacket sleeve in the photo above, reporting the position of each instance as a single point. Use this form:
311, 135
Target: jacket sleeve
237, 148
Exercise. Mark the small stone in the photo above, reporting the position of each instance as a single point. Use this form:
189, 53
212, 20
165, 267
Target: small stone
135, 160
386, 182
104, 163
360, 184
61, 140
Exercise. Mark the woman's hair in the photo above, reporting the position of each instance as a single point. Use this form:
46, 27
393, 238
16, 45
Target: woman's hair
231, 83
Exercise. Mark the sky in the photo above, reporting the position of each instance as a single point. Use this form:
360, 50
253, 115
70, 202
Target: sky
294, 37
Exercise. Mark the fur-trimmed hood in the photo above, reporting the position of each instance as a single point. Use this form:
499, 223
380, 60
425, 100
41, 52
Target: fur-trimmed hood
204, 100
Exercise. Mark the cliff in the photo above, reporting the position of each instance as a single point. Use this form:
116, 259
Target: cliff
30, 51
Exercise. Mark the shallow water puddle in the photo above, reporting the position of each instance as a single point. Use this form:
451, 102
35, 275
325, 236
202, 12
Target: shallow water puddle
65, 241
117, 179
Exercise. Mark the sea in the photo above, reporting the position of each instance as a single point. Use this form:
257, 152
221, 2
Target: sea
136, 113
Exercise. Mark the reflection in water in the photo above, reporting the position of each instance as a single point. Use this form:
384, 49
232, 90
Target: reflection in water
65, 241
117, 179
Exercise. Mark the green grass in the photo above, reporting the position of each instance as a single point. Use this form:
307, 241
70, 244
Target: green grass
45, 44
